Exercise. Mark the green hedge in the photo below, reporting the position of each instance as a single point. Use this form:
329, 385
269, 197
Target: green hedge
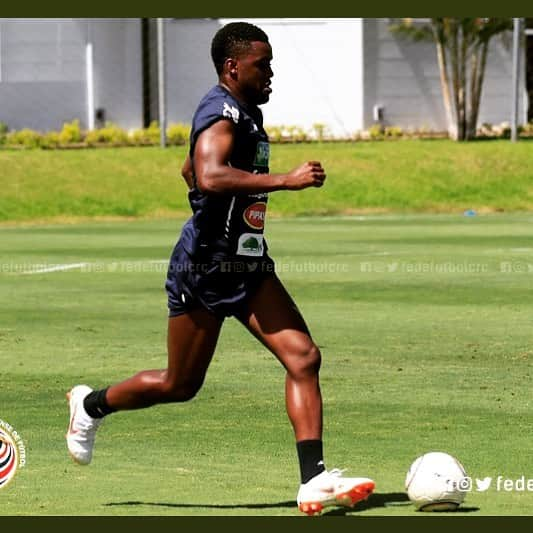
111, 135
72, 136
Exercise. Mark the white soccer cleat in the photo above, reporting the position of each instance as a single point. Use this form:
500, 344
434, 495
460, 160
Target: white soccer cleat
330, 488
82, 428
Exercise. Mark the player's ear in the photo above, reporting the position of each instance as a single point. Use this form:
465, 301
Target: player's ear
230, 66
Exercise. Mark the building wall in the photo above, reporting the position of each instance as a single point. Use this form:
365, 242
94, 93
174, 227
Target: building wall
43, 71
190, 73
329, 71
118, 86
317, 73
316, 80
403, 77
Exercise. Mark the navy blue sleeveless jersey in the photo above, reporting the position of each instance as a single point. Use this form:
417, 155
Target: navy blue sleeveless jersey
229, 224
223, 243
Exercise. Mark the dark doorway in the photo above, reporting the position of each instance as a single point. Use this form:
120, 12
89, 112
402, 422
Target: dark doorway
146, 71
149, 69
529, 69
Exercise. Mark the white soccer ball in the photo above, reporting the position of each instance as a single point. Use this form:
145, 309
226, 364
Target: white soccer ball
437, 481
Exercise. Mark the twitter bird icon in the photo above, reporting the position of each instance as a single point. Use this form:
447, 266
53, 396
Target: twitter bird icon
483, 484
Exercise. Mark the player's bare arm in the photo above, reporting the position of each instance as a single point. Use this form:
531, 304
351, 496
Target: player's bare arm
215, 175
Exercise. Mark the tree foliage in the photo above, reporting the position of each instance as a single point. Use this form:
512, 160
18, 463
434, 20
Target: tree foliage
462, 48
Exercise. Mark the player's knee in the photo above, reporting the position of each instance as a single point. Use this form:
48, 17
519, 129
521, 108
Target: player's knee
307, 362
313, 359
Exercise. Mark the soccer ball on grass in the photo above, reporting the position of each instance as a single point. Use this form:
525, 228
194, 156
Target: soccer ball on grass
436, 481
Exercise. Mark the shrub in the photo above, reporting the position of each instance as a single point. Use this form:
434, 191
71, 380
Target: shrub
3, 132
153, 133
139, 138
51, 140
394, 132
423, 131
526, 129
275, 133
178, 134
485, 130
375, 132
278, 134
296, 133
503, 130
26, 138
111, 134
320, 131
146, 136
71, 133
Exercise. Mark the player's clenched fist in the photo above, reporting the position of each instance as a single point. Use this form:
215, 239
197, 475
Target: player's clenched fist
310, 174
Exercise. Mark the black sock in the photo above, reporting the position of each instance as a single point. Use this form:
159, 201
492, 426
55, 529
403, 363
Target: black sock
311, 458
96, 405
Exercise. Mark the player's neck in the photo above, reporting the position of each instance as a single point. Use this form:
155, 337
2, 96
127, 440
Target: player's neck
235, 93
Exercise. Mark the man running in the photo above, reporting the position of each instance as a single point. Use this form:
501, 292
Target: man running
220, 268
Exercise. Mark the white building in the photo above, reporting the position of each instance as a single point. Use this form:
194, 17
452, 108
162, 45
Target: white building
330, 71
45, 71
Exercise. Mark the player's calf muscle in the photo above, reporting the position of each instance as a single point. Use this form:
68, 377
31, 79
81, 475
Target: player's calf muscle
182, 392
152, 387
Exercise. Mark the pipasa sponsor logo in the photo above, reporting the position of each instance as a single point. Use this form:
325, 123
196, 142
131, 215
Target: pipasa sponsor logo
254, 215
12, 453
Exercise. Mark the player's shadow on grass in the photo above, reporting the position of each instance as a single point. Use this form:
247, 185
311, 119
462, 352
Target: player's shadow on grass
207, 505
376, 500
391, 499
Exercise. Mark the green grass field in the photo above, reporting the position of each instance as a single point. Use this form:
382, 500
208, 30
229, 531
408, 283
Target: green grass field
399, 176
425, 327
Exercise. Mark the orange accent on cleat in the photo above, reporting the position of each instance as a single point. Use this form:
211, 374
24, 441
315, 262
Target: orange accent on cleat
355, 495
311, 508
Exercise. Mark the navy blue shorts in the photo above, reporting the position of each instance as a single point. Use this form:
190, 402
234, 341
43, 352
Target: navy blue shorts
220, 285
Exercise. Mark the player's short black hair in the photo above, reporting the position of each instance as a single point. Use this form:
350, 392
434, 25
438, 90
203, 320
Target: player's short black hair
234, 39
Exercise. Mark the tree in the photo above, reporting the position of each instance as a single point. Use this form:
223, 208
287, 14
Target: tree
462, 49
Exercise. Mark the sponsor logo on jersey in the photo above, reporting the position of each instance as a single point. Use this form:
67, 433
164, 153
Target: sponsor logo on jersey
230, 112
262, 154
254, 215
250, 244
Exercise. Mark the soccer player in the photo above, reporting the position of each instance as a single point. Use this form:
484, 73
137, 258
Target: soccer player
220, 268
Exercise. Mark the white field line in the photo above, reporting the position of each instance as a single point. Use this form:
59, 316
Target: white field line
40, 269
55, 268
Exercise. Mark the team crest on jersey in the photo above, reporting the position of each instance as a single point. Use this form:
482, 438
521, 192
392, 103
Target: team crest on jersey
262, 154
250, 244
254, 215
230, 112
